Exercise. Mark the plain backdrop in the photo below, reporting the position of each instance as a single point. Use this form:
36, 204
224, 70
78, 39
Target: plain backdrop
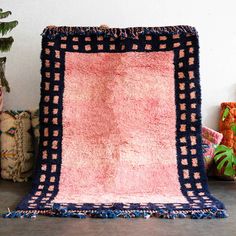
214, 20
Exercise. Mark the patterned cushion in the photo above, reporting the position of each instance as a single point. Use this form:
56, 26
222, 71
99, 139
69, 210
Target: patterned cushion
227, 124
17, 153
211, 139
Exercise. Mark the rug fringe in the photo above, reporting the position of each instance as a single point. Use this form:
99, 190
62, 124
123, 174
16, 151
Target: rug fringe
20, 214
131, 32
59, 211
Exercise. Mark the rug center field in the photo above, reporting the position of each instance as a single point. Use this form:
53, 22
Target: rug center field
119, 124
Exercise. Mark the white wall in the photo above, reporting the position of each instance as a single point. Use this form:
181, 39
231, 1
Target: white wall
215, 20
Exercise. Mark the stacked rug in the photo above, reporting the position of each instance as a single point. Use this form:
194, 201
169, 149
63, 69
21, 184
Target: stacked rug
120, 126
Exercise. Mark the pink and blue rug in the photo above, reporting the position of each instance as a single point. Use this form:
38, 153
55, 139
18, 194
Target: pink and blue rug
120, 116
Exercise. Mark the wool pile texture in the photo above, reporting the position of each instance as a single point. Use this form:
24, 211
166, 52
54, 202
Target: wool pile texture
120, 126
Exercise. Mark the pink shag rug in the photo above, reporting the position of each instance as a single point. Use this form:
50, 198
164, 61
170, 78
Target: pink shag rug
120, 126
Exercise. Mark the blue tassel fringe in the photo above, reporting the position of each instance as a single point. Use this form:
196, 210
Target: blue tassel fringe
19, 214
60, 211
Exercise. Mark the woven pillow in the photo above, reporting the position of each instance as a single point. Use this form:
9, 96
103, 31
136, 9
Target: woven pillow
227, 124
17, 153
211, 139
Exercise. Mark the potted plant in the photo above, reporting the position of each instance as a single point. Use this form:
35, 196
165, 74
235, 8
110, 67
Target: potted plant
5, 45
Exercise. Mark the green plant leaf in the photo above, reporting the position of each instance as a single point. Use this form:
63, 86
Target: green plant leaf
5, 44
225, 158
4, 14
229, 171
233, 127
6, 27
225, 113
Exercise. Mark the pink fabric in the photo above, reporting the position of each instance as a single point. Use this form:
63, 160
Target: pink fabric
119, 129
211, 138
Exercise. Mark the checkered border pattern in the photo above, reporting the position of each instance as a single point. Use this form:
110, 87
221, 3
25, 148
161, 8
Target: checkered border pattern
191, 171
